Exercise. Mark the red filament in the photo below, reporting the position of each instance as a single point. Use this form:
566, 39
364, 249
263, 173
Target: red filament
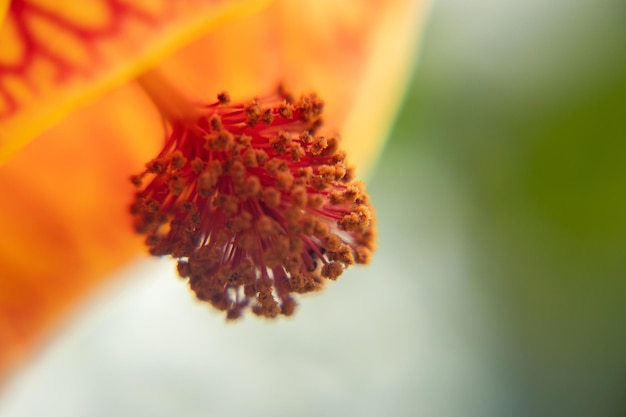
254, 204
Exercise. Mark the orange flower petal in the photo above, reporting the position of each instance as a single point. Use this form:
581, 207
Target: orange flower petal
4, 6
64, 220
54, 59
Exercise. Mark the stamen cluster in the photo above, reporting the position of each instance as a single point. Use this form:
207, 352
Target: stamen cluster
254, 204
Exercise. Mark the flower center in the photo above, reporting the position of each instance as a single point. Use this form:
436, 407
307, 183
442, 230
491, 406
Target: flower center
251, 200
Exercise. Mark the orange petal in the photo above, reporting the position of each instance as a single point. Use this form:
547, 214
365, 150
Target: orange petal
4, 6
64, 219
56, 56
356, 54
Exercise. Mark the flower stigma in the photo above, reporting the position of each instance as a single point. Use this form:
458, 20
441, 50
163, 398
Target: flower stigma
253, 202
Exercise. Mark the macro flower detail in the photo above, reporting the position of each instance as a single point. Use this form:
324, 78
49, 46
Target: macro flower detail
68, 91
254, 203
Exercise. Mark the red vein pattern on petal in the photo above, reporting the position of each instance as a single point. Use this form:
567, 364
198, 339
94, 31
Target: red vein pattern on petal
61, 44
46, 47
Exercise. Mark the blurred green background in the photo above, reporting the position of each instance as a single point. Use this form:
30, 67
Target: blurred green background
521, 108
499, 286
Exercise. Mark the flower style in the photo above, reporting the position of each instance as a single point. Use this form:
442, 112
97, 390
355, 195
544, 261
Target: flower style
66, 79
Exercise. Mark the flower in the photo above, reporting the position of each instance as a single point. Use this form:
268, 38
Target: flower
64, 218
254, 204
